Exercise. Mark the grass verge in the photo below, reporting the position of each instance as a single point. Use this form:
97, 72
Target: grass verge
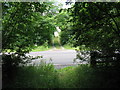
69, 47
41, 48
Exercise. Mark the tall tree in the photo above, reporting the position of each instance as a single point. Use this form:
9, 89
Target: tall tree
96, 25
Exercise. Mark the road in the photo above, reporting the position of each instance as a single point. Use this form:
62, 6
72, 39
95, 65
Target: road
56, 56
59, 57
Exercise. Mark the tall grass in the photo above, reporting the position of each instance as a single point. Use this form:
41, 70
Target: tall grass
42, 76
82, 76
67, 78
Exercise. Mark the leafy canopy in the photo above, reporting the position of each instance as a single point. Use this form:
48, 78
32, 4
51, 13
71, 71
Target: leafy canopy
96, 25
26, 24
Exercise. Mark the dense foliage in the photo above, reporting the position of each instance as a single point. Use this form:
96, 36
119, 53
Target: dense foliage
26, 24
96, 25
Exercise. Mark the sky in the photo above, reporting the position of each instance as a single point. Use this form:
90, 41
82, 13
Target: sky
63, 2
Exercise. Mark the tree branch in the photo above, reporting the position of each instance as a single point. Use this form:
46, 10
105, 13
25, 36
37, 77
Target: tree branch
112, 17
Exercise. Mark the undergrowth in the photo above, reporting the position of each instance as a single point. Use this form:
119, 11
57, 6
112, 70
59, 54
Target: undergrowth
82, 76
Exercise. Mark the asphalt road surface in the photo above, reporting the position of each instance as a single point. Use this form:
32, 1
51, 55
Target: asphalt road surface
56, 56
59, 57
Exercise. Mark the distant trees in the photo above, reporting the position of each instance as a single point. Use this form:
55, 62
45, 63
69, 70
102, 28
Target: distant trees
62, 20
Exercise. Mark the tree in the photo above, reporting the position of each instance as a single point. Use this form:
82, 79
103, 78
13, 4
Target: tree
96, 27
25, 24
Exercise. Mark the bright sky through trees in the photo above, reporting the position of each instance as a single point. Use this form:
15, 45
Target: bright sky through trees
58, 29
64, 4
56, 34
